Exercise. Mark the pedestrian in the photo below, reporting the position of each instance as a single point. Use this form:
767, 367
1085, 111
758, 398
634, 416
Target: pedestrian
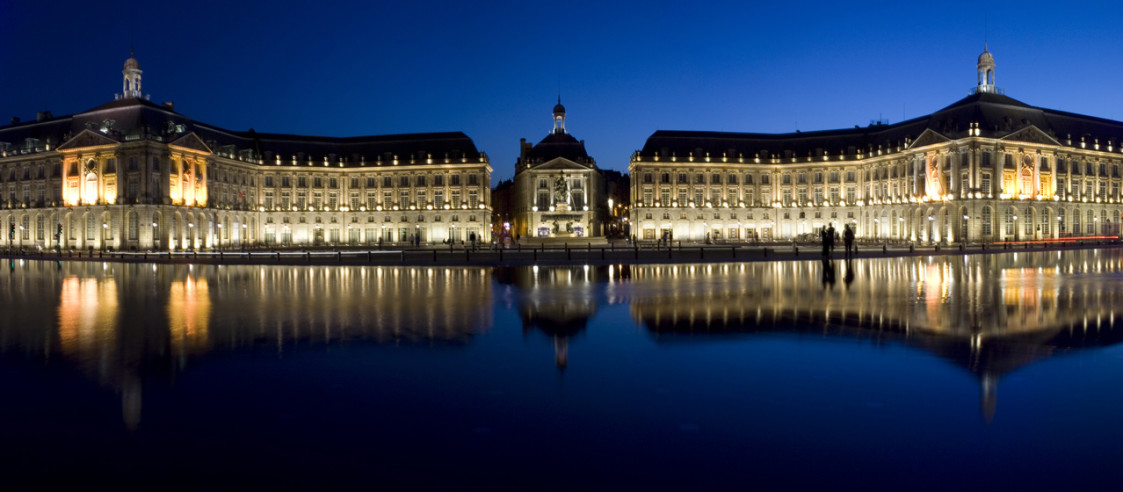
824, 238
848, 240
832, 235
472, 238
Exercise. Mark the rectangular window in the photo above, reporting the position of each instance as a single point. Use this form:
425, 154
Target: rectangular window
268, 200
455, 180
473, 199
387, 182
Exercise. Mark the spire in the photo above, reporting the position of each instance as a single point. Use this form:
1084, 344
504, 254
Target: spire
132, 71
559, 117
986, 71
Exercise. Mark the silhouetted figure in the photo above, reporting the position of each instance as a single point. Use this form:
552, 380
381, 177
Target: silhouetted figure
828, 273
849, 277
825, 238
848, 240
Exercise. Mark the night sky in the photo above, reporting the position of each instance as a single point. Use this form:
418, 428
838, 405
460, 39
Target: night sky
494, 70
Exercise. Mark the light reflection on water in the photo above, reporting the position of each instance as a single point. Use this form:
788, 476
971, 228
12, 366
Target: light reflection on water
123, 324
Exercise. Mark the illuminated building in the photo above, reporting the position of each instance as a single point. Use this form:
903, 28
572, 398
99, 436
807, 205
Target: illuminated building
132, 174
557, 187
986, 168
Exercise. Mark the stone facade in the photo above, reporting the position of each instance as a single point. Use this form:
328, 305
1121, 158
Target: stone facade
131, 174
988, 168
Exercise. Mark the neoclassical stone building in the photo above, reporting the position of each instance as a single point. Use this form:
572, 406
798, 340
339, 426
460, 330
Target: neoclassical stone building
131, 174
986, 168
557, 187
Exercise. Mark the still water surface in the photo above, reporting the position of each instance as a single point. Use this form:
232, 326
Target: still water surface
986, 371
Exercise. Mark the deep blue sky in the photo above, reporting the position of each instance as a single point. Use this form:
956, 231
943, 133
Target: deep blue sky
493, 70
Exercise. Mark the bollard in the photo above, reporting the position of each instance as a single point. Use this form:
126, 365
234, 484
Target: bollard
733, 250
912, 248
500, 254
435, 254
701, 252
370, 256
961, 247
602, 253
937, 248
403, 253
278, 257
535, 255
884, 249
467, 255
568, 254
220, 256
764, 252
308, 257
635, 250
796, 249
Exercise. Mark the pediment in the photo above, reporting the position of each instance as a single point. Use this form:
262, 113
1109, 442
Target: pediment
1032, 134
87, 138
193, 142
561, 163
929, 137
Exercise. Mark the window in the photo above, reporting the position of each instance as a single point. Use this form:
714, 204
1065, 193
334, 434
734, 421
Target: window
269, 181
473, 180
646, 178
421, 181
403, 181
317, 182
370, 182
387, 182
439, 180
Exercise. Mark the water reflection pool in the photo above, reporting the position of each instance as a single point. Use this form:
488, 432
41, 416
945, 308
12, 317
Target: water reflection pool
984, 371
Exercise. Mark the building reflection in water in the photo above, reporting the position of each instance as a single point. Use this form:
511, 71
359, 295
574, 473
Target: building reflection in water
989, 314
557, 301
119, 323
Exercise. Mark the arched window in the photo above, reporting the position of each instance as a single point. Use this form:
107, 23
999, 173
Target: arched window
1076, 222
89, 193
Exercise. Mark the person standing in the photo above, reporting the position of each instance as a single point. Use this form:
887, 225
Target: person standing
848, 240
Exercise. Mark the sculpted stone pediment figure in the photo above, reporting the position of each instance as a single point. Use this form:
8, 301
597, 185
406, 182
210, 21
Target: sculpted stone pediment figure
193, 142
929, 137
87, 138
1032, 134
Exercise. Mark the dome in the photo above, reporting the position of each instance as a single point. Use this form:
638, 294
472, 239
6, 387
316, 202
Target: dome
132, 62
558, 108
986, 58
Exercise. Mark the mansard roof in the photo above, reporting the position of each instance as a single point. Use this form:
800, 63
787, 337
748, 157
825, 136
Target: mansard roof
559, 145
130, 119
997, 116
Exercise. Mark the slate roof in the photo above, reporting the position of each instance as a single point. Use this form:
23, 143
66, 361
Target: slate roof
558, 145
997, 115
135, 118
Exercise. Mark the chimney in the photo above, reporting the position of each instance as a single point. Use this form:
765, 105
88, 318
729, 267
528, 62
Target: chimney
42, 116
15, 120
169, 105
